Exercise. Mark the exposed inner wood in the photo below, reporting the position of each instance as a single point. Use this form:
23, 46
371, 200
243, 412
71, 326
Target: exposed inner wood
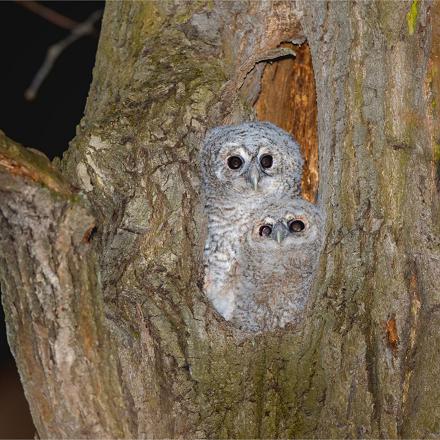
288, 99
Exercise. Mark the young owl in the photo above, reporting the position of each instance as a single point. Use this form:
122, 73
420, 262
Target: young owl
276, 265
242, 165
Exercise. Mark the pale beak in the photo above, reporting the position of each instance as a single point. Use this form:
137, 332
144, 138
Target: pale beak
279, 237
254, 177
280, 232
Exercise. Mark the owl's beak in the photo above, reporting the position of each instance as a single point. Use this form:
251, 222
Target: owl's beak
280, 232
254, 177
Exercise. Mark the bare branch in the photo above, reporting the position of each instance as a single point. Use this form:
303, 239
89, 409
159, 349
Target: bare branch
50, 15
54, 51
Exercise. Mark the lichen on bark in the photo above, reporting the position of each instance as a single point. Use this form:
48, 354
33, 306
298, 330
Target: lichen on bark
156, 359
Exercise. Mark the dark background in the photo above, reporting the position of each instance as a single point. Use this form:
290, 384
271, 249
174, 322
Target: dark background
46, 123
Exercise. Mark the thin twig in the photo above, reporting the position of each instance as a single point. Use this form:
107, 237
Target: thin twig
56, 50
50, 15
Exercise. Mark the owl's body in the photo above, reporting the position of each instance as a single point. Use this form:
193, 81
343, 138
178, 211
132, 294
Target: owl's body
275, 269
244, 166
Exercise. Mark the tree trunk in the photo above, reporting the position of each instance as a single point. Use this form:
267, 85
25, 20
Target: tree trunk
111, 331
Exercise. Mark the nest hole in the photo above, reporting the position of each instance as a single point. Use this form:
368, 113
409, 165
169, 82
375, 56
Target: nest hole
288, 99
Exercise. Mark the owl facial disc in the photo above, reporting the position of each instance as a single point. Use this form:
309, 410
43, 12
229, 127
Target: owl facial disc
248, 161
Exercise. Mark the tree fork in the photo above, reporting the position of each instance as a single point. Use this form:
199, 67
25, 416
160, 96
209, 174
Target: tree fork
365, 362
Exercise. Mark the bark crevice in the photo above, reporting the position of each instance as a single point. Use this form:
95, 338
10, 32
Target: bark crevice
124, 314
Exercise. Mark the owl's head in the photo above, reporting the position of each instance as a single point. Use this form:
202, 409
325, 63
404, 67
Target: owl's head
254, 157
285, 225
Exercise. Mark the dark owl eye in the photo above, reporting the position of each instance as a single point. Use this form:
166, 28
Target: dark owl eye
235, 162
266, 161
296, 226
265, 230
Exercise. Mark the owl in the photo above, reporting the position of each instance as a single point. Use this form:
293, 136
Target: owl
249, 160
242, 166
276, 264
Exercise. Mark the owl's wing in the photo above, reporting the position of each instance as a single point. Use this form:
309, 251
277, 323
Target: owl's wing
219, 286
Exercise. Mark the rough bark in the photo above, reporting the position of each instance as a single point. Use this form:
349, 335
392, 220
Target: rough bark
380, 288
364, 363
53, 303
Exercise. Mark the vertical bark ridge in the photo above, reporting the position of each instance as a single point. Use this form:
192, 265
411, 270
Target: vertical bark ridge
53, 303
366, 61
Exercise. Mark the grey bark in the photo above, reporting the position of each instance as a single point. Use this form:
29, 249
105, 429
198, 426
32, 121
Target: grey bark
53, 302
365, 362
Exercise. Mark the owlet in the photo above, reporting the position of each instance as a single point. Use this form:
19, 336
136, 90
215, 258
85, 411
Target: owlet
276, 265
242, 167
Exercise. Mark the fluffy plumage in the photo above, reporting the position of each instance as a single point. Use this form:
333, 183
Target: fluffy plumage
251, 141
243, 167
276, 264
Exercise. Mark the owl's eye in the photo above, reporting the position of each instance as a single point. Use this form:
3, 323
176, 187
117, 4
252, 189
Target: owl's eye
265, 230
235, 162
296, 226
266, 161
